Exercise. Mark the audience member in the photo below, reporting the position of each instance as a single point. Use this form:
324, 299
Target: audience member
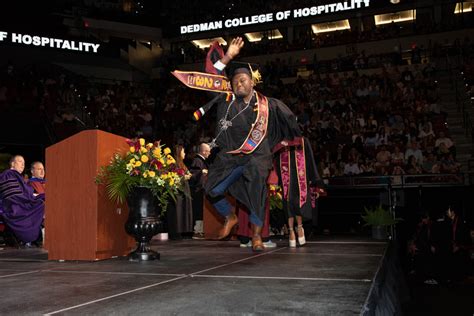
412, 166
414, 151
398, 158
383, 157
443, 139
448, 165
351, 168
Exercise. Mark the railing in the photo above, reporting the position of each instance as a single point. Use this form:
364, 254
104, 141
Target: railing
404, 195
402, 181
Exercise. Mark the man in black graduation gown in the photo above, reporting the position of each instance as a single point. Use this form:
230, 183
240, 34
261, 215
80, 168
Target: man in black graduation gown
249, 125
199, 169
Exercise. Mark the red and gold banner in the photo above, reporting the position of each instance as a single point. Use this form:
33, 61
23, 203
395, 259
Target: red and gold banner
203, 81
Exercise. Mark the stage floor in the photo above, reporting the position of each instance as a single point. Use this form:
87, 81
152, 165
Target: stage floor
330, 276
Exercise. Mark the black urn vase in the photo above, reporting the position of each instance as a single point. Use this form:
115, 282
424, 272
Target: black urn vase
143, 222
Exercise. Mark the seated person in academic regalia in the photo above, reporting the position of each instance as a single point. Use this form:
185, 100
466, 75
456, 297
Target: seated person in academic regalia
37, 180
22, 211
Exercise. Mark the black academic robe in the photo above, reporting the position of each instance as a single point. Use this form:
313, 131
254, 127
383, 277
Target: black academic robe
292, 204
251, 188
197, 181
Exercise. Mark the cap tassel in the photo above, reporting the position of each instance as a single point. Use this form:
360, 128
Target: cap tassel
256, 75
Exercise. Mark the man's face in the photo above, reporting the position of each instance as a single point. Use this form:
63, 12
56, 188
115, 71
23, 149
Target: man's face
205, 151
38, 171
18, 164
242, 85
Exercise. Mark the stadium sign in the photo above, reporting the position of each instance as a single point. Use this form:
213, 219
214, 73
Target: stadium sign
26, 39
278, 16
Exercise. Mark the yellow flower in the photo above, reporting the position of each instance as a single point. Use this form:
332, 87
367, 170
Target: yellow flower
162, 161
143, 150
132, 149
157, 152
171, 181
170, 159
145, 174
132, 161
167, 151
152, 174
144, 158
142, 141
138, 164
149, 145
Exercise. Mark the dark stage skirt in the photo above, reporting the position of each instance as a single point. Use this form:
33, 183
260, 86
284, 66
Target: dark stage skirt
180, 214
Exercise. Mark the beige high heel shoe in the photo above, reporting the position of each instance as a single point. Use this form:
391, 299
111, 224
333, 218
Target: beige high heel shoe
291, 242
301, 240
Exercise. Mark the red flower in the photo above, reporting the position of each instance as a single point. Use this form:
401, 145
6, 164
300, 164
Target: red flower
158, 165
133, 143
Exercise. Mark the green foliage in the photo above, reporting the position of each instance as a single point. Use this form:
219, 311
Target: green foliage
118, 183
276, 204
379, 216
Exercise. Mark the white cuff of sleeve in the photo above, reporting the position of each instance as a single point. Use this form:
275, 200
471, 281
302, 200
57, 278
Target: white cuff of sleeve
219, 65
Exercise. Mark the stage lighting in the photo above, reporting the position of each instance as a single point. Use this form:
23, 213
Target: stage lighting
394, 1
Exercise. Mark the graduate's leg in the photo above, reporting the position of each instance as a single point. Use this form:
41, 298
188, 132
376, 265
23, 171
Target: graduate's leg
221, 204
301, 236
291, 232
257, 224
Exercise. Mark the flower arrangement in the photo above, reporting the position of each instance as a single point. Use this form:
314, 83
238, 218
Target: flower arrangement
275, 197
143, 165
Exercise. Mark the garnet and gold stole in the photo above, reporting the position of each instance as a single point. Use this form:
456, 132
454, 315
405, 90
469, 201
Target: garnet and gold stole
258, 131
285, 167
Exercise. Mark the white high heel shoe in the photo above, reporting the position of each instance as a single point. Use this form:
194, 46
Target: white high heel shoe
301, 240
292, 243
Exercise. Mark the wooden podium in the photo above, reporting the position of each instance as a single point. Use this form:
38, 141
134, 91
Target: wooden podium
81, 222
213, 222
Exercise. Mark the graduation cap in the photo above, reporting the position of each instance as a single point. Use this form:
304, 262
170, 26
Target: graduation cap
238, 67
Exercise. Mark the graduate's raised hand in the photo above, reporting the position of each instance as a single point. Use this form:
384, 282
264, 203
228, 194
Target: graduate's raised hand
234, 48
